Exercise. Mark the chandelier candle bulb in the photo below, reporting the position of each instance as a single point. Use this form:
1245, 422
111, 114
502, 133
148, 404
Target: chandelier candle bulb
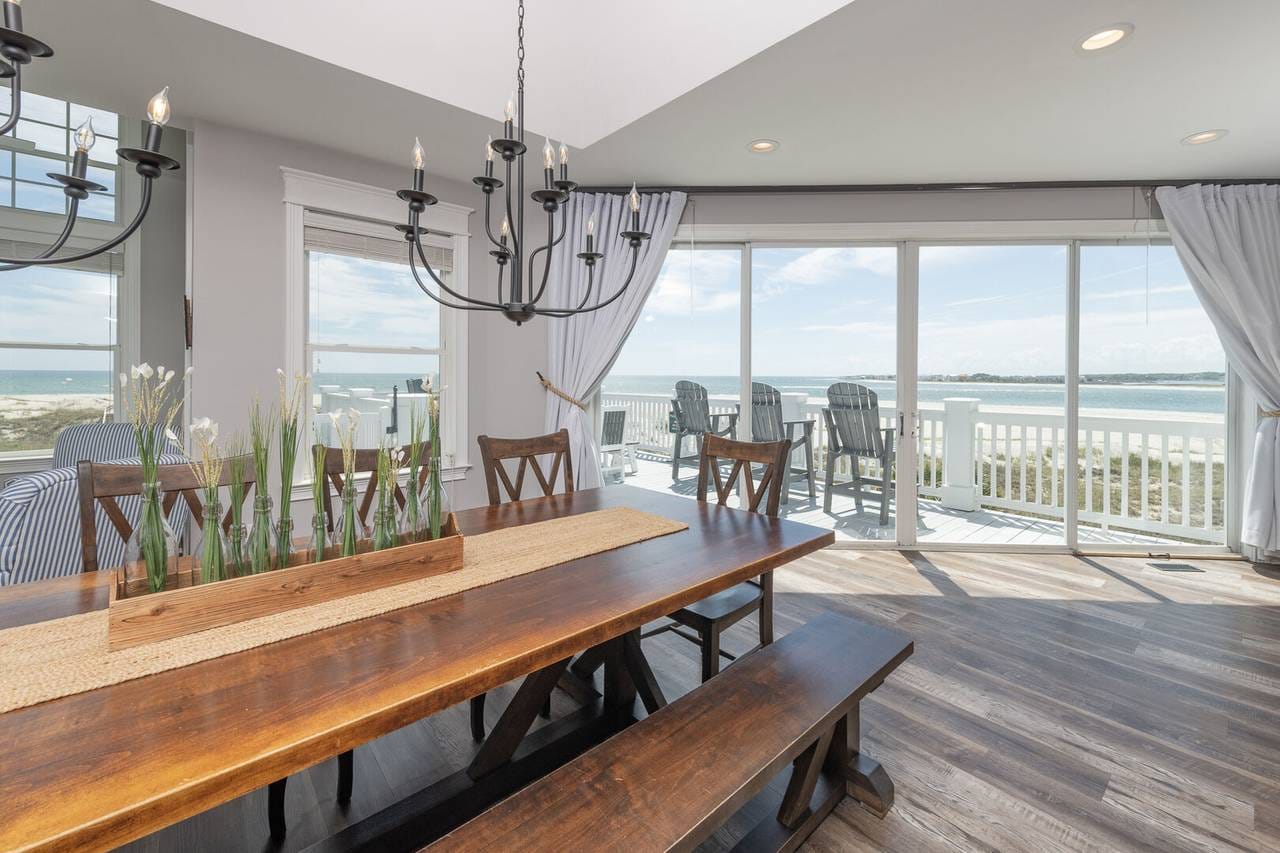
591, 237
506, 229
158, 112
548, 164
564, 162
508, 126
418, 161
85, 137
634, 198
488, 158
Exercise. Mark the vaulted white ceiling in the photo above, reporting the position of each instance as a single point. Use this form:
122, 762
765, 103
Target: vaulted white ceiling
671, 91
593, 66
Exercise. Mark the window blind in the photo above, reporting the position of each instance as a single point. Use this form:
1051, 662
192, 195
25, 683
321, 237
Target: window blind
108, 262
316, 238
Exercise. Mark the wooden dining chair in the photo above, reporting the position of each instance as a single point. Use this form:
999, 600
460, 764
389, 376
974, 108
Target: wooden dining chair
494, 452
710, 617
105, 484
366, 462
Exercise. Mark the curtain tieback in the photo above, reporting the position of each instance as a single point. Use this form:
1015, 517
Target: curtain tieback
1264, 413
569, 398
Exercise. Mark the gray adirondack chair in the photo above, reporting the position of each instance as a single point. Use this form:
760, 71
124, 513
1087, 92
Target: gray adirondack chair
691, 416
769, 424
852, 416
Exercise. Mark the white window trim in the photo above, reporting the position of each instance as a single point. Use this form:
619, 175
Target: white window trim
308, 192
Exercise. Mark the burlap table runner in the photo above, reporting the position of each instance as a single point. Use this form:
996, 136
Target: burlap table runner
60, 657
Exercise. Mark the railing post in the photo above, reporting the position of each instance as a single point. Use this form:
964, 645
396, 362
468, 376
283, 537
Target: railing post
959, 491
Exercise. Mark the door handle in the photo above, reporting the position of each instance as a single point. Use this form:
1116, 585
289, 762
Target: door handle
902, 424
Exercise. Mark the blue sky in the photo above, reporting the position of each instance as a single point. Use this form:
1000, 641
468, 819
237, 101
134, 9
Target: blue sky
992, 309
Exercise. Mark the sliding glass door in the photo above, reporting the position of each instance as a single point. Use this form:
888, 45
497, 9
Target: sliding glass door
1048, 394
824, 322
1153, 403
991, 394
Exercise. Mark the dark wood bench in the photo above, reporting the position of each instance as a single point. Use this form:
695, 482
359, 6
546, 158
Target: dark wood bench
670, 780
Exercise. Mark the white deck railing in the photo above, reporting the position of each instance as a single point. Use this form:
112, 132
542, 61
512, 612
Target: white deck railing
1153, 474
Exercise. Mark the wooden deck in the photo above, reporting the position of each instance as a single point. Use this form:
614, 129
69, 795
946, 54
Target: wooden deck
934, 522
1053, 703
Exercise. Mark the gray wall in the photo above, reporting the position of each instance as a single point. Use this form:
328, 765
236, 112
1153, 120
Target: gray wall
163, 267
994, 206
238, 285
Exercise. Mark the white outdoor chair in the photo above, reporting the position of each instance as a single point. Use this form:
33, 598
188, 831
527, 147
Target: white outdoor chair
617, 455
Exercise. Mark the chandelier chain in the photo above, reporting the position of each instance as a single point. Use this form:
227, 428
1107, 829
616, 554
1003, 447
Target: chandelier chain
520, 50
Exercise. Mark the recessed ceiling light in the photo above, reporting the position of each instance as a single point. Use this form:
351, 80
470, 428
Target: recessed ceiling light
763, 146
1204, 137
1104, 38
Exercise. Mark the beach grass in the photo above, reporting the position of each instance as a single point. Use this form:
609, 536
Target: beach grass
38, 429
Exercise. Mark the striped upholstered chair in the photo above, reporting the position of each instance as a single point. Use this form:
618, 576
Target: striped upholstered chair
39, 513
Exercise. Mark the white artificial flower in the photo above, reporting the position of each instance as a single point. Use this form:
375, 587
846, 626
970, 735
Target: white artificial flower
336, 418
146, 370
187, 372
354, 414
160, 371
135, 372
213, 431
124, 380
168, 376
280, 373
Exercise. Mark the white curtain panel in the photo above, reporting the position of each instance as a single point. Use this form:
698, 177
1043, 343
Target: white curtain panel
1228, 239
582, 348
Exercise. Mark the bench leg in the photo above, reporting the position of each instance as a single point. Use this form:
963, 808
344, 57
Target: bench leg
346, 775
868, 783
641, 673
275, 809
804, 778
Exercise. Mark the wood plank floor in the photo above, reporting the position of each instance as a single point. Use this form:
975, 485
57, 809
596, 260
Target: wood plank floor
1053, 703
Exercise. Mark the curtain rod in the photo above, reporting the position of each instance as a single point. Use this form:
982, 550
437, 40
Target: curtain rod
803, 189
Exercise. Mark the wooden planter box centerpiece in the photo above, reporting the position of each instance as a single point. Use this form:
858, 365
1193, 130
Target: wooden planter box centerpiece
136, 616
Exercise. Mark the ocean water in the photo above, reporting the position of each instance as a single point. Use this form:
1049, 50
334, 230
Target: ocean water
1206, 399
100, 381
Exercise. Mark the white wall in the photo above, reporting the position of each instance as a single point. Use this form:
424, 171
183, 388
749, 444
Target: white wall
238, 287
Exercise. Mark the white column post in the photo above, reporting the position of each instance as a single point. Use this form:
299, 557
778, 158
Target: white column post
959, 490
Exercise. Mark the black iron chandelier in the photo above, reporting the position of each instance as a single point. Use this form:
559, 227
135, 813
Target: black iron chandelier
521, 302
18, 49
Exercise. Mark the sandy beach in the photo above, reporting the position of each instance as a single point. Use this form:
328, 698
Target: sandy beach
33, 421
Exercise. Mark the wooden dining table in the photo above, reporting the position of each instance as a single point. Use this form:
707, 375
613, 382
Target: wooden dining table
97, 769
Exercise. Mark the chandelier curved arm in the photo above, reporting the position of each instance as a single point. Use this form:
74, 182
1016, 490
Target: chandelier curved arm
591, 271
478, 306
546, 267
104, 247
422, 256
488, 228
564, 226
517, 231
57, 244
566, 312
15, 100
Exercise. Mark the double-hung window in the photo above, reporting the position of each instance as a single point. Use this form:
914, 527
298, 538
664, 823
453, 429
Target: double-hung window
374, 341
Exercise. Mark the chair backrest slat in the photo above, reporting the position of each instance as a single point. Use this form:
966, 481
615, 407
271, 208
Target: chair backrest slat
102, 483
494, 450
693, 408
366, 462
771, 455
766, 413
855, 417
613, 426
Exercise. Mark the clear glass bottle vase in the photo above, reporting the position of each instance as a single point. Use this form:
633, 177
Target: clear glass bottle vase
436, 505
213, 561
151, 552
348, 531
321, 542
262, 537
413, 520
237, 551
385, 529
